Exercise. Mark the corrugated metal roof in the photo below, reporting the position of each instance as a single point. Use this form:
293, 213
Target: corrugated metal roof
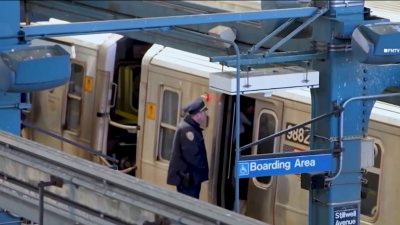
386, 9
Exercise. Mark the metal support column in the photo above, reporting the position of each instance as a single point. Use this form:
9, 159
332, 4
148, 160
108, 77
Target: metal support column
345, 78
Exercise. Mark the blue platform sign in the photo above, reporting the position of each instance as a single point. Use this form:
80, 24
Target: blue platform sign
343, 215
284, 165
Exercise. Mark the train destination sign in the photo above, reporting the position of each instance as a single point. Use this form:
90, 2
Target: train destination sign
284, 165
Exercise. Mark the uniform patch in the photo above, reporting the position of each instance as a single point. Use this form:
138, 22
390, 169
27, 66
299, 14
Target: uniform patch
190, 135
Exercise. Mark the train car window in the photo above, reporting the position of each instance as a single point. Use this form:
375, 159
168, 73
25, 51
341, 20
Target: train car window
74, 97
370, 185
128, 82
169, 121
267, 126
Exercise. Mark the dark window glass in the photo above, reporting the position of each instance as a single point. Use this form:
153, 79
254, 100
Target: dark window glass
74, 98
169, 122
267, 126
370, 185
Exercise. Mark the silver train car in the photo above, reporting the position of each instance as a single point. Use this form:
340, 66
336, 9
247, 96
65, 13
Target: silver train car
125, 98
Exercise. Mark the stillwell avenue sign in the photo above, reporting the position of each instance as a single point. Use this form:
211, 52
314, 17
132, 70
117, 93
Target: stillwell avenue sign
285, 163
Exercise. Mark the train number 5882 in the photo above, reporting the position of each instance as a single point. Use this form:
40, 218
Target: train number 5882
299, 135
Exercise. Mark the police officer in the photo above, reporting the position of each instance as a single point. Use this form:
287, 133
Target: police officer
188, 166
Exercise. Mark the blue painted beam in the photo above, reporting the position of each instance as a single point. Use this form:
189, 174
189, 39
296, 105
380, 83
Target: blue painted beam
159, 22
276, 57
9, 102
9, 24
248, 33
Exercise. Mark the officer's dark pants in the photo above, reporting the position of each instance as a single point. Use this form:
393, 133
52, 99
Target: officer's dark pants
192, 190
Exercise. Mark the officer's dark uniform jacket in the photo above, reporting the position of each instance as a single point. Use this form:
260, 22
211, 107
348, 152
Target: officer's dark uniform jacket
188, 154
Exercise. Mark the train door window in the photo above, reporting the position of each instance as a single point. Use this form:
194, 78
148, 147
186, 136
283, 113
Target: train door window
370, 184
267, 125
74, 97
169, 121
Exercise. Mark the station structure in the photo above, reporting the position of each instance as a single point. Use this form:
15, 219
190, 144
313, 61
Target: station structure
353, 53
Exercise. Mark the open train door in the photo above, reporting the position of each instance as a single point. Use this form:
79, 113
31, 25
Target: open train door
117, 100
262, 190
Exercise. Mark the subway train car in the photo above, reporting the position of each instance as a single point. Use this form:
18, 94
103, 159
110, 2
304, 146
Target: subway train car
125, 99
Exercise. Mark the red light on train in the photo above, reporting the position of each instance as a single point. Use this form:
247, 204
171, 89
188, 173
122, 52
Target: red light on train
206, 97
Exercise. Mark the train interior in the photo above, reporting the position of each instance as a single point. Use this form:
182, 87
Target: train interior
121, 140
225, 185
